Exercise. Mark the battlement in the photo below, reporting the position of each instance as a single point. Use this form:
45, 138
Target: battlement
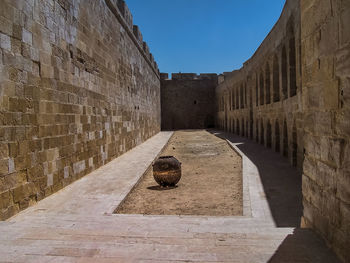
189, 76
120, 9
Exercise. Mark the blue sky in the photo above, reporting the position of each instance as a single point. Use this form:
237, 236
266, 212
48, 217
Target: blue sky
204, 36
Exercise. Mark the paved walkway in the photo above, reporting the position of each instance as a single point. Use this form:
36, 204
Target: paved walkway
77, 224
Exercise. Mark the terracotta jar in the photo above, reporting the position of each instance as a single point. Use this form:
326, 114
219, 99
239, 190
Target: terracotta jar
167, 171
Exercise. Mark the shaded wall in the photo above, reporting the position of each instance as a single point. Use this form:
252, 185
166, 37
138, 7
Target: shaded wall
188, 101
262, 100
78, 88
293, 96
325, 39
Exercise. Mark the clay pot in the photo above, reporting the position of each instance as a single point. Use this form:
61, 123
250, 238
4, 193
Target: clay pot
167, 171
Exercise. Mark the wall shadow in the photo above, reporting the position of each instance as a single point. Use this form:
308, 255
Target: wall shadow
303, 246
281, 181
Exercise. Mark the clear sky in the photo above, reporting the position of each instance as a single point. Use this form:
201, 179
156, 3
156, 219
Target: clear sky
204, 36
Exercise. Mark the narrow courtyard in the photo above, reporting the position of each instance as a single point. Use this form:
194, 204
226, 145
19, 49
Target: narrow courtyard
77, 224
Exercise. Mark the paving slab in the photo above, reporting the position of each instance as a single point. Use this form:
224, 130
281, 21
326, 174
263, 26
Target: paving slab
77, 224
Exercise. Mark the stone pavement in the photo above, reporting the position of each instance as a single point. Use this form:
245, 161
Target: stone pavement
77, 223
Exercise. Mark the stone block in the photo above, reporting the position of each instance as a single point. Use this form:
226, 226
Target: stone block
12, 180
23, 191
10, 211
5, 42
27, 37
4, 167
331, 150
5, 26
5, 200
4, 150
344, 26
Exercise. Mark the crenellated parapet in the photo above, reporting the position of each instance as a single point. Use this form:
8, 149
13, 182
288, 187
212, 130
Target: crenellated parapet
120, 9
189, 76
124, 10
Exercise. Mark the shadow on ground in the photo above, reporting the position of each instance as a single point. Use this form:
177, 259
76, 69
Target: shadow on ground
303, 246
282, 190
161, 188
284, 196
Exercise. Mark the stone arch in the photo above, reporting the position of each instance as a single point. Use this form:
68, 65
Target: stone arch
292, 67
262, 132
267, 83
277, 137
284, 73
276, 80
294, 145
268, 134
285, 139
262, 92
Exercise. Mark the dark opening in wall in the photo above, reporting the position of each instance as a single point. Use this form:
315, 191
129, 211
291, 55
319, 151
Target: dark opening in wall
292, 67
233, 99
195, 102
285, 139
237, 98
237, 127
262, 94
251, 97
243, 128
267, 84
284, 73
277, 137
241, 95
268, 134
247, 129
251, 130
294, 146
262, 133
257, 131
276, 80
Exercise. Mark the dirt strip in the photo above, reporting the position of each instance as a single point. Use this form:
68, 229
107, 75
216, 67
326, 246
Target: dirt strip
211, 182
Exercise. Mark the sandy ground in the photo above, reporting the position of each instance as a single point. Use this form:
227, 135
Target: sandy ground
211, 182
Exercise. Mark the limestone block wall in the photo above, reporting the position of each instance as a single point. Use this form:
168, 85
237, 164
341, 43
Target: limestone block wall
263, 99
188, 101
325, 40
78, 87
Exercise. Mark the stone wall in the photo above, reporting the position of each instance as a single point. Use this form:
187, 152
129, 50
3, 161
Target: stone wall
293, 95
78, 87
262, 100
188, 101
325, 39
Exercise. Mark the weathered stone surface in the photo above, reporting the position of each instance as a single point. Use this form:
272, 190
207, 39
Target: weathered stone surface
300, 107
325, 22
74, 96
262, 100
188, 101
